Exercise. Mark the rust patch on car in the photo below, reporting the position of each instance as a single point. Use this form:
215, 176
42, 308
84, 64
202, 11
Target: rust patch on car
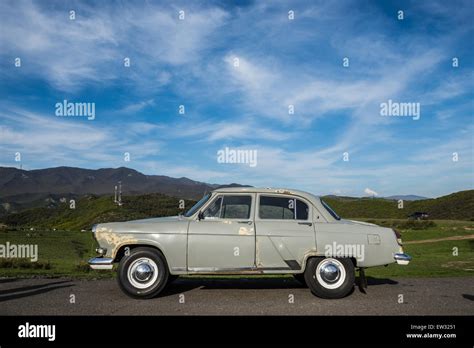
113, 241
244, 231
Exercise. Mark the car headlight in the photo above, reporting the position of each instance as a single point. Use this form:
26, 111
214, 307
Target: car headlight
101, 251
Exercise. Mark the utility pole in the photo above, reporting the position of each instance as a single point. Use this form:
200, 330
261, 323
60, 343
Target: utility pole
120, 194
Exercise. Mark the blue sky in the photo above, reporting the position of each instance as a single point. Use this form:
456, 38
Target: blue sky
281, 62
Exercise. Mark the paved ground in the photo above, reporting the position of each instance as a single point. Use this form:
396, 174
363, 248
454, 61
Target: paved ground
429, 296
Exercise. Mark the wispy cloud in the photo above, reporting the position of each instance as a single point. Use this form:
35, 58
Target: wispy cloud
91, 49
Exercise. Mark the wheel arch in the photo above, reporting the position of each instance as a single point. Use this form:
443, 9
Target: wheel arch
120, 253
316, 255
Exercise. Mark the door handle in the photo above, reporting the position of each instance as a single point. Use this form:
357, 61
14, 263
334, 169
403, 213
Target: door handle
305, 223
245, 222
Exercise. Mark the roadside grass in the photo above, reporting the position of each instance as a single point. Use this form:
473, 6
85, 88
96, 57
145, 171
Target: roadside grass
432, 260
64, 253
442, 229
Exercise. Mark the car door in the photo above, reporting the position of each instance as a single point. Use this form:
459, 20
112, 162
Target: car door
224, 239
284, 231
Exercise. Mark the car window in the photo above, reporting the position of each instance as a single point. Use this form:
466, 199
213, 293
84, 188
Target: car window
236, 207
282, 208
214, 209
229, 207
302, 210
330, 211
198, 205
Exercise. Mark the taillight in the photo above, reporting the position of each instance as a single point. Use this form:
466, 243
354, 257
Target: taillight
398, 236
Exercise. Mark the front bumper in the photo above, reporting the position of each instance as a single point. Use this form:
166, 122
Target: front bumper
101, 263
402, 258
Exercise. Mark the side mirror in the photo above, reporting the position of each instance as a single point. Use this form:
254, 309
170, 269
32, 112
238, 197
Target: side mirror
200, 216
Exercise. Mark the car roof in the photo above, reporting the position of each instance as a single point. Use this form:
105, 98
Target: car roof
304, 194
315, 200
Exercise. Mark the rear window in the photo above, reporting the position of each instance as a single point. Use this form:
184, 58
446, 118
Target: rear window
329, 210
282, 208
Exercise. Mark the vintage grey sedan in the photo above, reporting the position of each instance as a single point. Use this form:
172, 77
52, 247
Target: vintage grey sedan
245, 231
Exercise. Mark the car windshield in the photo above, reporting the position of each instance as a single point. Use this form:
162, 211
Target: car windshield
330, 211
197, 206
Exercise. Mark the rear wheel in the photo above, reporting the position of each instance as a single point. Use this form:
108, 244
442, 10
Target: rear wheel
143, 274
330, 277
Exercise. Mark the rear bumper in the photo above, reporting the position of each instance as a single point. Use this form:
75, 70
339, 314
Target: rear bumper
402, 258
101, 263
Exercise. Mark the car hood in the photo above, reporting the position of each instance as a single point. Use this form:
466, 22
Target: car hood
353, 222
158, 219
143, 225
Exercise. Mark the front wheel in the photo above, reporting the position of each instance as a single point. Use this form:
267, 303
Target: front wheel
143, 274
330, 277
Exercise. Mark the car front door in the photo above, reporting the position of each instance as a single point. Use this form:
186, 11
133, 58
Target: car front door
224, 238
285, 232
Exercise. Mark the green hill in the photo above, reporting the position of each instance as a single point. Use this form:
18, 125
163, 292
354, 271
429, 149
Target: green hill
93, 209
456, 206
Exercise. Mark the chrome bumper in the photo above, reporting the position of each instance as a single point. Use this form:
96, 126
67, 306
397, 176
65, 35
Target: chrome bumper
402, 258
101, 263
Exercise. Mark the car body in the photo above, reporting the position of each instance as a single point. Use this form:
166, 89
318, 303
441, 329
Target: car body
247, 230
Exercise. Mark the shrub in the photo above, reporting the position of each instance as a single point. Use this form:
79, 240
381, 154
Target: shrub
82, 267
414, 224
24, 264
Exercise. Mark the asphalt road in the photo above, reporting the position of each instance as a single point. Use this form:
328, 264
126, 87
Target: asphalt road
428, 296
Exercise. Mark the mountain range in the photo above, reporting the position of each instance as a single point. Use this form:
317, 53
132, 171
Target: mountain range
20, 189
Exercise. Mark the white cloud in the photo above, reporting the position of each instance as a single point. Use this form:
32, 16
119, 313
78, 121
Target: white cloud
370, 192
136, 107
46, 138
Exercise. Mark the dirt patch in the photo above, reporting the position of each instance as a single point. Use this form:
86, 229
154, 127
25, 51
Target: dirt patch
434, 240
464, 265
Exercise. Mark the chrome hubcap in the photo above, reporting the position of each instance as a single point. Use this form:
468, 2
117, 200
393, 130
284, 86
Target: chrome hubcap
142, 273
330, 273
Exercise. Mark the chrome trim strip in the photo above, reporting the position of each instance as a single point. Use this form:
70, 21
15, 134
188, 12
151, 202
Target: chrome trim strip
178, 269
216, 269
238, 270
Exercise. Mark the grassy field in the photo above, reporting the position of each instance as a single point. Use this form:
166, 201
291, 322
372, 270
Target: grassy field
456, 206
65, 253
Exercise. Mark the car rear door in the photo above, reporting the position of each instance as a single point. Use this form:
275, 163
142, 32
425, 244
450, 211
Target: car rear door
284, 231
